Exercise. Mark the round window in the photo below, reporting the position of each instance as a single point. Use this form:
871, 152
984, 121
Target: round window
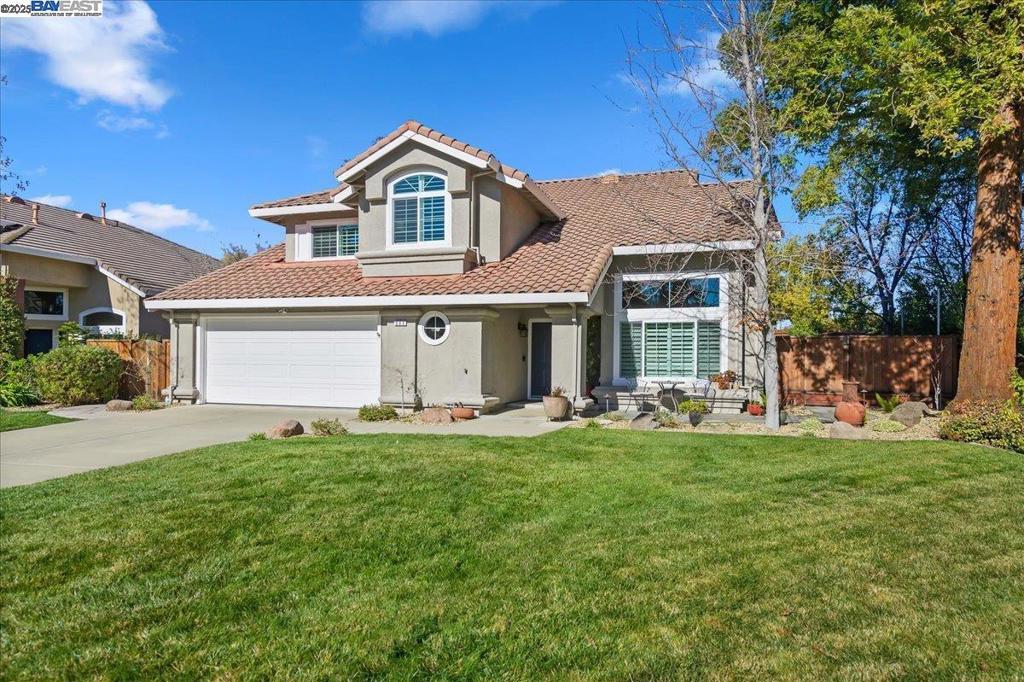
434, 328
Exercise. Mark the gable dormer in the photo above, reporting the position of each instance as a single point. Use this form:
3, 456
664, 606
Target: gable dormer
417, 203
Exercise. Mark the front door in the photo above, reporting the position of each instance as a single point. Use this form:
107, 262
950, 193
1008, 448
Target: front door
540, 359
38, 341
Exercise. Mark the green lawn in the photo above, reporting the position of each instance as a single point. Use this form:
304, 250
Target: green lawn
27, 419
580, 554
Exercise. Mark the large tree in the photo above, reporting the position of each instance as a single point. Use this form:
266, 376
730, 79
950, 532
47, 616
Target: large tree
948, 77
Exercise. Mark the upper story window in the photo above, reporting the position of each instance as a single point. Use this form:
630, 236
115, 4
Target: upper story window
45, 303
331, 241
419, 204
675, 293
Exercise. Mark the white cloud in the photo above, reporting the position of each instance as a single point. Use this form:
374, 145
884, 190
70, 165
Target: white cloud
316, 146
104, 58
158, 217
703, 77
61, 200
117, 123
610, 171
434, 17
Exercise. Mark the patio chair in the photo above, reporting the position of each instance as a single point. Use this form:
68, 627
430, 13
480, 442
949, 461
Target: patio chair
638, 392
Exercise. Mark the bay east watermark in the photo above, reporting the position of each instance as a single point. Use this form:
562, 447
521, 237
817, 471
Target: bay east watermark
51, 8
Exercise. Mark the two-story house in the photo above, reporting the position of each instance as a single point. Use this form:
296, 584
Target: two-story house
433, 271
72, 266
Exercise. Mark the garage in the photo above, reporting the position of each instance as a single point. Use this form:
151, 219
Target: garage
286, 359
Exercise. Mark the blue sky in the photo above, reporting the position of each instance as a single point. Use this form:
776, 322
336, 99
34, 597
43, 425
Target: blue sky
180, 115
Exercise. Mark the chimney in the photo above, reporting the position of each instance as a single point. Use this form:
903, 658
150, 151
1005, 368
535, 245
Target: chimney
103, 212
35, 214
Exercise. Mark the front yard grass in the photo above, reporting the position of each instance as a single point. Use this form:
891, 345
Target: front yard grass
580, 554
12, 420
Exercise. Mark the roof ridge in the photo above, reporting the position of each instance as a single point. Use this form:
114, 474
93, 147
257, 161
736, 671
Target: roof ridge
665, 171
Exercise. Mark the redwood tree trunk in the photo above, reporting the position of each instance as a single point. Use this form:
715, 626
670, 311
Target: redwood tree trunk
990, 320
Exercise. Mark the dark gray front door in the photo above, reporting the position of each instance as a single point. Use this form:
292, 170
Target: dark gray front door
38, 341
540, 358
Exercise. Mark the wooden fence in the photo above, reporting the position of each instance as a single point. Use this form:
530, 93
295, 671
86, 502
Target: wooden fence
147, 365
812, 369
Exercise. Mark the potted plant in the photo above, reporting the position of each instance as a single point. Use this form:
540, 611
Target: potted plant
556, 404
725, 379
460, 411
755, 408
695, 409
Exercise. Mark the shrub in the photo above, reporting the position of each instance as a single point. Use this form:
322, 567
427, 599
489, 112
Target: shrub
666, 418
693, 407
887, 426
258, 435
16, 394
811, 427
12, 322
328, 427
998, 424
75, 375
71, 334
1017, 384
887, 404
591, 424
377, 412
144, 402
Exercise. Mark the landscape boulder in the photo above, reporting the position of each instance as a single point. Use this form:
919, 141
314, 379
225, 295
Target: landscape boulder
644, 422
436, 415
909, 414
119, 405
845, 431
850, 412
286, 429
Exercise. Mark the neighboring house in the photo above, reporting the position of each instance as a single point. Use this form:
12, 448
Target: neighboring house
72, 266
434, 272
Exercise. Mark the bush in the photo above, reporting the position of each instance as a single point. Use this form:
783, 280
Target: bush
887, 426
1017, 384
144, 402
592, 424
693, 407
76, 375
666, 418
16, 394
377, 413
259, 435
71, 334
328, 427
12, 322
997, 424
887, 405
811, 427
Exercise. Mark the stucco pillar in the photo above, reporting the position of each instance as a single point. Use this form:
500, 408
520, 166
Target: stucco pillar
399, 357
568, 348
183, 357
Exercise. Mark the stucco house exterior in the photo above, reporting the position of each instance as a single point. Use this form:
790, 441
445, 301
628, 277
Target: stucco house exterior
72, 266
431, 272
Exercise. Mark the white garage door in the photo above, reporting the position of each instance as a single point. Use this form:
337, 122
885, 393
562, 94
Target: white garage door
329, 361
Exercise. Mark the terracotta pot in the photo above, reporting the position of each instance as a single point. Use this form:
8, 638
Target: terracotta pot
755, 410
556, 407
851, 413
463, 413
851, 391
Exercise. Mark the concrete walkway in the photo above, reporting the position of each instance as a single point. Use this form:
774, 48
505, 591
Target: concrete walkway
104, 439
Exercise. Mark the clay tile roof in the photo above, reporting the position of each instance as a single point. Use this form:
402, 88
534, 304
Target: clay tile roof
141, 258
557, 257
321, 197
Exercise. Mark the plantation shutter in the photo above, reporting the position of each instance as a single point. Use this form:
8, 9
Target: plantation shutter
709, 351
681, 349
656, 349
630, 348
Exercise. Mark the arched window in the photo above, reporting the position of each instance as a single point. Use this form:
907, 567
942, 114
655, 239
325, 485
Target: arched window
102, 320
418, 211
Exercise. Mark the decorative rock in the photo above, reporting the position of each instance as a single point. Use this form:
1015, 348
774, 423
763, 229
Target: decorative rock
436, 415
851, 413
929, 412
644, 422
119, 406
841, 429
909, 414
286, 429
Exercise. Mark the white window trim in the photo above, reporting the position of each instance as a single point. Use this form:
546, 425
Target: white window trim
304, 237
423, 335
718, 314
104, 328
52, 318
390, 244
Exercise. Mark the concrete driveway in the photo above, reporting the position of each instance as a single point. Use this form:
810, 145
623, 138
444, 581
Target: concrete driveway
105, 439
